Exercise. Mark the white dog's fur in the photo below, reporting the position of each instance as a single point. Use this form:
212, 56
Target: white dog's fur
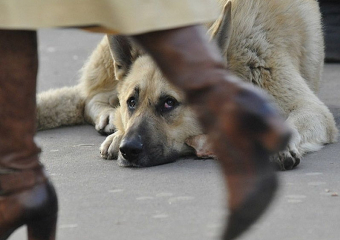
274, 44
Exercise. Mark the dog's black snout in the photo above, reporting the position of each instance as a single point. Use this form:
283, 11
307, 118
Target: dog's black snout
131, 149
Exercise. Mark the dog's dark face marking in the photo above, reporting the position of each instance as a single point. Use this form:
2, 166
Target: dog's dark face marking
141, 148
154, 118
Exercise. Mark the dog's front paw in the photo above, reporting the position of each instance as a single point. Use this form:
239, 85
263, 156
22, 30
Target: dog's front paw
110, 147
311, 129
291, 156
104, 123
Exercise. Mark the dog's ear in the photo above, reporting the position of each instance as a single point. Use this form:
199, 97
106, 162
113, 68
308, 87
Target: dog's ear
222, 28
121, 49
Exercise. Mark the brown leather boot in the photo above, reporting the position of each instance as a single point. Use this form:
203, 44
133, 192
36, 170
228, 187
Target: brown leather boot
26, 195
243, 127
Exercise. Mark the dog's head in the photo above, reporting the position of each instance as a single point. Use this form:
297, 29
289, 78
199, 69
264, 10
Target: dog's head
153, 119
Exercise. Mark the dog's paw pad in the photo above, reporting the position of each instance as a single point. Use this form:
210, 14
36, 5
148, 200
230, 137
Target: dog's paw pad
286, 160
288, 163
296, 157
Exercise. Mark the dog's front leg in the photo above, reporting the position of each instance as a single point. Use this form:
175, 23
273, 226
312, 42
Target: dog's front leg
310, 120
100, 111
110, 147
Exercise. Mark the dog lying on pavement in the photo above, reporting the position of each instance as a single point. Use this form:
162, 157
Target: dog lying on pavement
276, 45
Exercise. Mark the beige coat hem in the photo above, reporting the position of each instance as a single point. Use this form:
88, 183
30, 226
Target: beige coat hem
123, 16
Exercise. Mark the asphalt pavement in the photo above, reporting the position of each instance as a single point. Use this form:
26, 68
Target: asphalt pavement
183, 200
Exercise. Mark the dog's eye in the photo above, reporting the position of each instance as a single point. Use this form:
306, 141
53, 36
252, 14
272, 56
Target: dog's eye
131, 102
169, 104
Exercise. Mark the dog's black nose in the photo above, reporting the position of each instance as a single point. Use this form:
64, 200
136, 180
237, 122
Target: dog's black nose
131, 149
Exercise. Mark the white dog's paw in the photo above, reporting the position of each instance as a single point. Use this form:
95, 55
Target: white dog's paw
291, 156
287, 159
310, 132
104, 123
110, 147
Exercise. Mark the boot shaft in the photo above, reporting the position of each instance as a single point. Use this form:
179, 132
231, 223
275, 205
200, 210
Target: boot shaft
18, 72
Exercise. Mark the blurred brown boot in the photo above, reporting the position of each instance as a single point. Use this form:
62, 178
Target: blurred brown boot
26, 195
242, 125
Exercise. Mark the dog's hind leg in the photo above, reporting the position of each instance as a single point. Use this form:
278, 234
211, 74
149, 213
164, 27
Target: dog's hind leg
311, 121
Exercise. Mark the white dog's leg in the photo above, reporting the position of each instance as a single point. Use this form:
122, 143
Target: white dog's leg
100, 111
110, 147
312, 123
99, 85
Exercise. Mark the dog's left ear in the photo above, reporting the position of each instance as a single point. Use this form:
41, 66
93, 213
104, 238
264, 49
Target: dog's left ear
123, 54
222, 28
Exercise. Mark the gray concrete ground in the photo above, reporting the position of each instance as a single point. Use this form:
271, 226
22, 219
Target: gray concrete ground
182, 200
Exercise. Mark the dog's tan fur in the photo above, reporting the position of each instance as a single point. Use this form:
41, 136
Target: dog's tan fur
274, 44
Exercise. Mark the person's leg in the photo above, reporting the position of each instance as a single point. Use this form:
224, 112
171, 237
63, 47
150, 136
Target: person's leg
242, 125
26, 195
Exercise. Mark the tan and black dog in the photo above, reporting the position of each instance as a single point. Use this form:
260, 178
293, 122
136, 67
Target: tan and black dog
275, 44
